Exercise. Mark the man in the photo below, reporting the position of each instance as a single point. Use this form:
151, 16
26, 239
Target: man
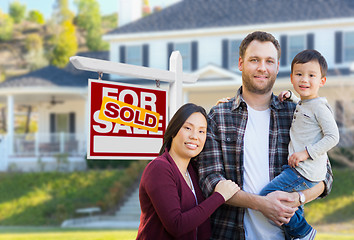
247, 142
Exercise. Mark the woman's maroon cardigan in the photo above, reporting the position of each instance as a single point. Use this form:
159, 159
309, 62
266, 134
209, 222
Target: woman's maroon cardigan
168, 207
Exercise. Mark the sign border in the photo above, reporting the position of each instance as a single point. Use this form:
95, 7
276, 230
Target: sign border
88, 156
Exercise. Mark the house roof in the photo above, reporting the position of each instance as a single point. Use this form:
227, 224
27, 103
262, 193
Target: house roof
196, 14
51, 76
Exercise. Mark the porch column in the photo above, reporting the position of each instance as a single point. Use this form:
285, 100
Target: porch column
10, 124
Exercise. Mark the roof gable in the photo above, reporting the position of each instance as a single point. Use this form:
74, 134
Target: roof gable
212, 72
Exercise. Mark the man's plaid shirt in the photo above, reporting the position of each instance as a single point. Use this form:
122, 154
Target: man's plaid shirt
222, 157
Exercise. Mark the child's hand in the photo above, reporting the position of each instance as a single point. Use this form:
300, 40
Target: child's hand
284, 95
297, 157
223, 100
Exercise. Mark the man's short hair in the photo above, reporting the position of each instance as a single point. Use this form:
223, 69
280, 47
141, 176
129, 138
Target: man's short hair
259, 36
309, 55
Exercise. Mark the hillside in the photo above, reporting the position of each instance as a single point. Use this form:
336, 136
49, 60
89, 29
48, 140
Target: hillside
15, 57
48, 198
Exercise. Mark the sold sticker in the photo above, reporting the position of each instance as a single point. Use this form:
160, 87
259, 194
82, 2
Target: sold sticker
130, 115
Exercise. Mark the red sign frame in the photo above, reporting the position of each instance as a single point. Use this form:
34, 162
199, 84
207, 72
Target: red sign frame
110, 140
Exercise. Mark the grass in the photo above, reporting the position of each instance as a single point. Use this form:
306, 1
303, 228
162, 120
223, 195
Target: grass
30, 197
48, 198
338, 207
334, 236
30, 233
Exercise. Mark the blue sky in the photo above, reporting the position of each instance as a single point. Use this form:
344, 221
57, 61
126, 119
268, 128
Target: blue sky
46, 6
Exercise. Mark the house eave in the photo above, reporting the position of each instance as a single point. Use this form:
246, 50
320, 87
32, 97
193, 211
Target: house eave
42, 90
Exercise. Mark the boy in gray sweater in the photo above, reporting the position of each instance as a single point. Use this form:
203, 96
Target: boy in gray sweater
313, 132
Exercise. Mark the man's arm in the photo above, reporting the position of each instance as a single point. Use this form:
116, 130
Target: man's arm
277, 206
320, 190
271, 206
310, 194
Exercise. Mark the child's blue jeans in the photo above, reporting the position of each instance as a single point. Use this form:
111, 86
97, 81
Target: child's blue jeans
289, 180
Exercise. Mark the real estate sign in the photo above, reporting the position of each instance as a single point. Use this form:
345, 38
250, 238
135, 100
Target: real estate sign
125, 121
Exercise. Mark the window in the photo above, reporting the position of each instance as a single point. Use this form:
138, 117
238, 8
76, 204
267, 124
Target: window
234, 54
348, 43
134, 55
62, 122
185, 50
296, 45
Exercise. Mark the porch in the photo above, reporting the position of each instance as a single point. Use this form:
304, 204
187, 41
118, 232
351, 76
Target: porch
42, 152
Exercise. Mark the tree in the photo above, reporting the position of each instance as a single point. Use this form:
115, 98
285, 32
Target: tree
65, 45
17, 11
35, 53
36, 17
64, 42
109, 21
62, 11
6, 26
89, 19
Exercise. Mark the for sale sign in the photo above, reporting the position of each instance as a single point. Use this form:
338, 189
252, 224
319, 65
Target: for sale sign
126, 121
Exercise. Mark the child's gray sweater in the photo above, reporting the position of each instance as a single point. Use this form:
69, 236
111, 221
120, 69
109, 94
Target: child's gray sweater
313, 128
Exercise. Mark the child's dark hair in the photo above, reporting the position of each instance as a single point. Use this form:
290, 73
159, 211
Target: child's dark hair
308, 56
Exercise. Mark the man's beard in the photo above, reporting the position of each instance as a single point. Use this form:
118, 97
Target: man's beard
252, 87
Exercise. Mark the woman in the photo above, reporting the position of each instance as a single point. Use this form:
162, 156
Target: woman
172, 204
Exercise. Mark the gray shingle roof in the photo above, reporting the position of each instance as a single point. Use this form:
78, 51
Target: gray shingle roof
53, 76
193, 14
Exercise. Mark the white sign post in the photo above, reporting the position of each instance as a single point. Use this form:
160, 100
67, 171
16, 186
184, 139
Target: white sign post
174, 76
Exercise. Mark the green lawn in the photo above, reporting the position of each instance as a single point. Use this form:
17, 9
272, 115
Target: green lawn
29, 233
30, 200
59, 234
338, 207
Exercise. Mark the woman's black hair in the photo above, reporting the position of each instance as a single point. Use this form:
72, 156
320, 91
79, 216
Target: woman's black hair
177, 121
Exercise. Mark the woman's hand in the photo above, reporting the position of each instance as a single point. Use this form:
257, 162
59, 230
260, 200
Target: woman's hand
227, 188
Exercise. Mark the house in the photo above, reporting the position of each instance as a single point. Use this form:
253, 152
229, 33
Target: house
207, 33
59, 97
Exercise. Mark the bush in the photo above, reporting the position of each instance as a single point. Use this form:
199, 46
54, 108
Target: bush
6, 27
36, 17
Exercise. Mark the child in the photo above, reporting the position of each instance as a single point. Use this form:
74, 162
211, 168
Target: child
313, 132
